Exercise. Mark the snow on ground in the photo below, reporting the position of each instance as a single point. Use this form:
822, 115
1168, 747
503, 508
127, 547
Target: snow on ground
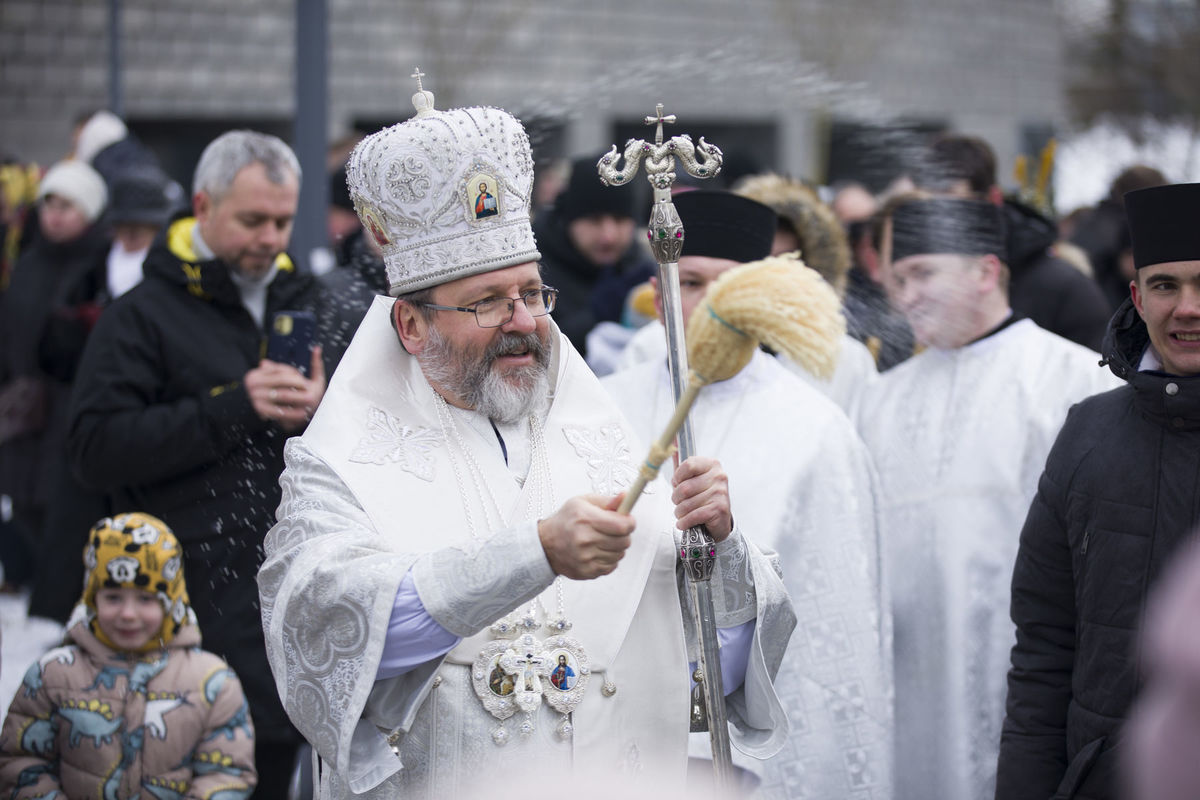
23, 640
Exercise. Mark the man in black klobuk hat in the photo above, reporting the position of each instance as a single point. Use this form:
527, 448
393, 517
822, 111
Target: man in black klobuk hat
723, 230
1116, 501
805, 490
1043, 286
958, 435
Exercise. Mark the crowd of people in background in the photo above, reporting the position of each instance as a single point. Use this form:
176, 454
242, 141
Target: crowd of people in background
135, 380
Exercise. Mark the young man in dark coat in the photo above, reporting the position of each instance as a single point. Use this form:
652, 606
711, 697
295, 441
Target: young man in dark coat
1116, 500
589, 251
177, 413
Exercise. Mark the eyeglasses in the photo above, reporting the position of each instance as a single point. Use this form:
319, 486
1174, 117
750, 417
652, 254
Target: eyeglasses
497, 311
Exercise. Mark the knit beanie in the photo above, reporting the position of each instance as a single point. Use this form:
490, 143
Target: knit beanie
137, 551
77, 182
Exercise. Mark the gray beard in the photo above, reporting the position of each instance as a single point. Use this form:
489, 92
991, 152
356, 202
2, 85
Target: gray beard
472, 379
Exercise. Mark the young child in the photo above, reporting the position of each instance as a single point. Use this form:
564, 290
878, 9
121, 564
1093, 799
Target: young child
130, 706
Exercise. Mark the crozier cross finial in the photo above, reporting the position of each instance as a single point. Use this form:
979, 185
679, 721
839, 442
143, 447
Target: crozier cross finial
658, 119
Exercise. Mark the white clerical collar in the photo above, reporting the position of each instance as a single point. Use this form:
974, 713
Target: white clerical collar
253, 291
1151, 362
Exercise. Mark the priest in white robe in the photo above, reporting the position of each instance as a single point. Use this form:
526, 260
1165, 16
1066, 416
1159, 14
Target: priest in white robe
803, 486
959, 435
452, 605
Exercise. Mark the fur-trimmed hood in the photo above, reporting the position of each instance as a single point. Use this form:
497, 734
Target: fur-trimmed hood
823, 244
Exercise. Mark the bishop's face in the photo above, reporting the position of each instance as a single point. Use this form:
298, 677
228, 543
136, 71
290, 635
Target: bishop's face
1168, 298
938, 295
500, 372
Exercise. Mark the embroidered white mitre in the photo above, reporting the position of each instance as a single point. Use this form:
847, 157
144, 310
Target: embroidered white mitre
445, 195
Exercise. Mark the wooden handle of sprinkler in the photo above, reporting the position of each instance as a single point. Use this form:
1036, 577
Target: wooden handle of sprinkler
665, 446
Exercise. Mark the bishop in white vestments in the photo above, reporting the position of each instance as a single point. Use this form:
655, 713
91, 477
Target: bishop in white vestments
452, 605
959, 435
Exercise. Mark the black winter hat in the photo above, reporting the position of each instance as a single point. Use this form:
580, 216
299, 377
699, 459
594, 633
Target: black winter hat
725, 225
339, 191
585, 194
139, 195
1164, 223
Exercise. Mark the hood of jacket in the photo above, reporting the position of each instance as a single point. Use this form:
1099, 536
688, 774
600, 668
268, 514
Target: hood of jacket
1028, 234
173, 258
1171, 400
79, 632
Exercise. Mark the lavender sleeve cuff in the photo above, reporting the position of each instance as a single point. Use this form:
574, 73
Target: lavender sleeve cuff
413, 637
734, 645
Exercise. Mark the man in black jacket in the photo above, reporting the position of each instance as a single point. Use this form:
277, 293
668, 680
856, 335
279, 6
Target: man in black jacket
176, 412
1116, 500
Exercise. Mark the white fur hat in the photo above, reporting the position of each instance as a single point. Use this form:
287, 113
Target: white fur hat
77, 182
445, 194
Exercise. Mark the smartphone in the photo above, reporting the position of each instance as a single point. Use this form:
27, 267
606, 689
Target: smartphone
291, 339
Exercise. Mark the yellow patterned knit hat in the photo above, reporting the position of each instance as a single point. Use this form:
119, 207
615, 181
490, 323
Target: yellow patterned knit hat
137, 551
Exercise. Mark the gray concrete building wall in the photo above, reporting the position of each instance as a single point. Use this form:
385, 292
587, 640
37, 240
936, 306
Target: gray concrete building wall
982, 67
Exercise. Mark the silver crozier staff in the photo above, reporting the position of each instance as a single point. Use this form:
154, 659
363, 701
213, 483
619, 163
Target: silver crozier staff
697, 548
